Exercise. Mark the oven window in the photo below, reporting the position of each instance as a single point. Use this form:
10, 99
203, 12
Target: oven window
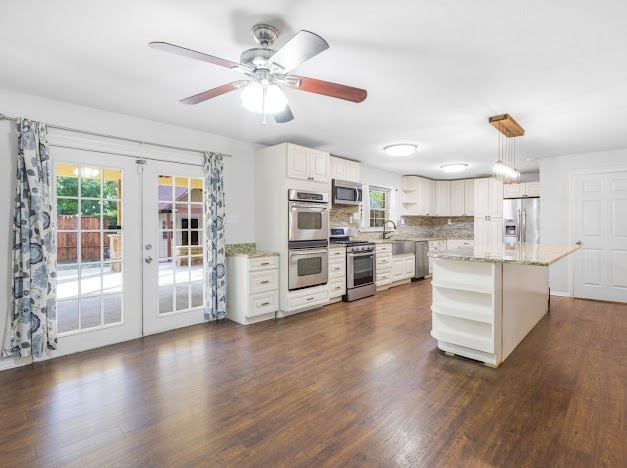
307, 220
363, 269
309, 266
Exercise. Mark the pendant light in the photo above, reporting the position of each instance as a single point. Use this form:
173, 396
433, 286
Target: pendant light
505, 166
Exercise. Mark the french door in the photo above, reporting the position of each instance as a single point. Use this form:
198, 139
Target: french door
600, 224
129, 248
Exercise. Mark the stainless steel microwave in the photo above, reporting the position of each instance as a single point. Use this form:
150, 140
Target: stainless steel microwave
346, 192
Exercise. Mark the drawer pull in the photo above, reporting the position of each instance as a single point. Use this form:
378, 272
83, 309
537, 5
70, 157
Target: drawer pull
310, 298
265, 304
338, 287
265, 263
264, 282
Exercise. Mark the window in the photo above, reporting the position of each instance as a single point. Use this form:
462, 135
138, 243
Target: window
379, 206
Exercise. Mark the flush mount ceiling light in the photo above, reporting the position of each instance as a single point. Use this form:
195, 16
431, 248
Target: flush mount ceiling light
459, 167
402, 149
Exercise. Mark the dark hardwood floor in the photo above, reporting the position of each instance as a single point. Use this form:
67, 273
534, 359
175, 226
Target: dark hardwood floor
359, 384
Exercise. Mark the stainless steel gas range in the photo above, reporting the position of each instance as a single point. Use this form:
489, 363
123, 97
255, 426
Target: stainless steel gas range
360, 265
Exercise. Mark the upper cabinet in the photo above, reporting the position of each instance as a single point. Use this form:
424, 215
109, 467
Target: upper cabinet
488, 198
418, 196
343, 169
529, 189
307, 164
469, 197
443, 198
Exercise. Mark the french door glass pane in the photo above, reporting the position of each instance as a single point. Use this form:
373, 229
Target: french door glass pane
89, 247
180, 211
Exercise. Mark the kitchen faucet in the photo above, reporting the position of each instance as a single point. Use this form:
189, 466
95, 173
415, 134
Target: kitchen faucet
384, 223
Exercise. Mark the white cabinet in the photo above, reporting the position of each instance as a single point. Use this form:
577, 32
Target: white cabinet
458, 195
253, 292
403, 267
529, 189
307, 164
384, 265
418, 197
488, 231
456, 243
488, 198
443, 198
337, 272
435, 246
469, 197
429, 198
343, 169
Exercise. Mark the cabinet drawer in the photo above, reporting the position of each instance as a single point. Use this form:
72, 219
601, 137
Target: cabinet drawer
313, 299
384, 261
337, 268
384, 277
263, 303
263, 263
380, 248
337, 253
265, 280
337, 287
437, 245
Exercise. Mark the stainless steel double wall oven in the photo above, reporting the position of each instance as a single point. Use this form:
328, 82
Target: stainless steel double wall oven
308, 230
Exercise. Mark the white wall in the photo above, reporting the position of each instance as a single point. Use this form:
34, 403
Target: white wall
238, 170
555, 201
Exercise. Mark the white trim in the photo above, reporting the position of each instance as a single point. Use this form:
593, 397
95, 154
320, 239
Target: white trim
561, 294
364, 221
13, 362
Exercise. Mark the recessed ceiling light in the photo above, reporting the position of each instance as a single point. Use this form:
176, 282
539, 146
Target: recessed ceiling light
454, 167
403, 149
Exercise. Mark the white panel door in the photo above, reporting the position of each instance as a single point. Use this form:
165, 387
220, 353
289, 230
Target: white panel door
173, 246
481, 198
298, 161
600, 223
97, 206
495, 198
469, 197
457, 197
443, 198
319, 166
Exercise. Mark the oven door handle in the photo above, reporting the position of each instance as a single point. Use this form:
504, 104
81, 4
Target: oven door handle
360, 254
311, 206
305, 252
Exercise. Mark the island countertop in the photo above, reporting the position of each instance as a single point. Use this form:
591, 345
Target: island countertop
523, 254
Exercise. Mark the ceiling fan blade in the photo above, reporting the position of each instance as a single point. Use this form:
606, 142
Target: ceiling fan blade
327, 88
174, 49
211, 93
284, 116
303, 46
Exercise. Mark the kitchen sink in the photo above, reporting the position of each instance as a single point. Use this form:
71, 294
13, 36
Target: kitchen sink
403, 247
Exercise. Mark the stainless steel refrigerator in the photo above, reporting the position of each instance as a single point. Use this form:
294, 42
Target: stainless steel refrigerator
521, 220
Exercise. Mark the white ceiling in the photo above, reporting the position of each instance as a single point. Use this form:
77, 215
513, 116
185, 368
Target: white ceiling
434, 70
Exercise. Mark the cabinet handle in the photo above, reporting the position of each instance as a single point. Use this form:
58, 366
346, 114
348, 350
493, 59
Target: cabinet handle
265, 263
265, 304
265, 282
338, 287
310, 298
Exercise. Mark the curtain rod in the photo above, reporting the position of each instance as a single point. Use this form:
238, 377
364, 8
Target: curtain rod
104, 135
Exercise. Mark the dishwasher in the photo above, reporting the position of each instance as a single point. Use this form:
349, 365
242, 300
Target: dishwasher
422, 259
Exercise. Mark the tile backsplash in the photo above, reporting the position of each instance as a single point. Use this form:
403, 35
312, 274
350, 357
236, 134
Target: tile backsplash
461, 227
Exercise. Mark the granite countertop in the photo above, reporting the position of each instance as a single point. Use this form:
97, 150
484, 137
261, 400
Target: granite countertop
247, 250
416, 239
523, 254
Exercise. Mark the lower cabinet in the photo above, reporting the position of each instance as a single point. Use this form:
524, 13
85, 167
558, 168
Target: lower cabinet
384, 265
435, 246
403, 267
252, 293
337, 273
307, 298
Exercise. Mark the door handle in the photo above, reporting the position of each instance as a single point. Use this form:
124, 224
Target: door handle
579, 243
148, 259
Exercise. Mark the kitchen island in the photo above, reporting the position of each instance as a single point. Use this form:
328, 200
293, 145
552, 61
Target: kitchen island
487, 298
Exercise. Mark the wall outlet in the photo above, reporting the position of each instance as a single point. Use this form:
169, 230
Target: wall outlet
232, 219
449, 221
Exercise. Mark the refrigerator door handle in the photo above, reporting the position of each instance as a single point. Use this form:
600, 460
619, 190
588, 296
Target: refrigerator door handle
518, 222
524, 229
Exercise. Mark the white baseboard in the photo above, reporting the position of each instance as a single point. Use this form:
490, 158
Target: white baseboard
12, 363
561, 294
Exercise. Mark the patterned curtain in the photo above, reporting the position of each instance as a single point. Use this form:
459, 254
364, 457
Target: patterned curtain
32, 325
215, 243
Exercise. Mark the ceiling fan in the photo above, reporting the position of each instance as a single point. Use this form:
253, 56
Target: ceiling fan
266, 69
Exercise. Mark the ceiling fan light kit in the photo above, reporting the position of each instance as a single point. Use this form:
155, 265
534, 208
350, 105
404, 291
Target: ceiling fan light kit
400, 149
267, 70
458, 167
505, 166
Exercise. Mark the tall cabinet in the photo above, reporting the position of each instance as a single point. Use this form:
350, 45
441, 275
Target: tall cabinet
488, 211
277, 169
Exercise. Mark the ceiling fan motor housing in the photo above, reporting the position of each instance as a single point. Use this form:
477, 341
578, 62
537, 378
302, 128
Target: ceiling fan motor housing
264, 34
256, 56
